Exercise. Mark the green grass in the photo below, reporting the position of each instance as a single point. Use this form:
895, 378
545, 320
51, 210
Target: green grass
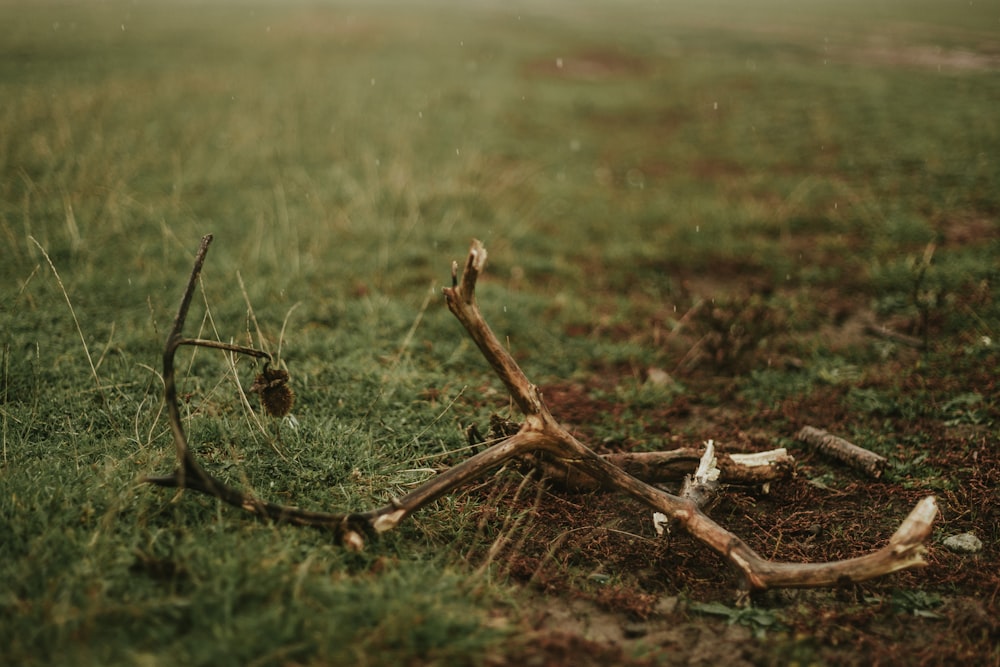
343, 154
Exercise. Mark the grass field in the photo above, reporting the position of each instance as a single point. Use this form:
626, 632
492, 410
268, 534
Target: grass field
731, 195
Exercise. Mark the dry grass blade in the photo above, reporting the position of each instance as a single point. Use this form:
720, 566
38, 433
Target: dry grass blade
72, 311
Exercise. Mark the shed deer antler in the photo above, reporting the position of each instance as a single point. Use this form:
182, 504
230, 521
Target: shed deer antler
540, 437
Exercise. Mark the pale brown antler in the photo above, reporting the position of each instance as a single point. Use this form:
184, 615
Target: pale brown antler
539, 435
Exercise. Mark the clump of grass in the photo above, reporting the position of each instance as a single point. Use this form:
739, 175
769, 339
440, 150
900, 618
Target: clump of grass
736, 331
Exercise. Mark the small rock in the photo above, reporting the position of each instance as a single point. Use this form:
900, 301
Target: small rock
964, 543
657, 377
667, 605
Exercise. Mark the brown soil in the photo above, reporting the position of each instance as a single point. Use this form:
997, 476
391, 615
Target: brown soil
925, 56
589, 65
607, 590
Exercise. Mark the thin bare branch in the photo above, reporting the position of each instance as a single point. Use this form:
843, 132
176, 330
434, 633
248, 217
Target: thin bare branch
461, 298
189, 473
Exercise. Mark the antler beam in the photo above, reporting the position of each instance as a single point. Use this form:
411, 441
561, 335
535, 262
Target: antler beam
540, 437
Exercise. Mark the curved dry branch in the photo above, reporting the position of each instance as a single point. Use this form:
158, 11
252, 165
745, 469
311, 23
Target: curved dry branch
540, 438
905, 549
189, 474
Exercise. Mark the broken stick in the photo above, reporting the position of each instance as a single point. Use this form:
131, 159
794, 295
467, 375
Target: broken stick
857, 457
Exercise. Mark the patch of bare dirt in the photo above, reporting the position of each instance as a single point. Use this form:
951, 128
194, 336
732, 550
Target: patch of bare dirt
924, 56
667, 637
607, 590
963, 230
597, 64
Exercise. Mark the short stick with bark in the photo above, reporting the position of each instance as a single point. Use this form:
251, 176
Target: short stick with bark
847, 452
